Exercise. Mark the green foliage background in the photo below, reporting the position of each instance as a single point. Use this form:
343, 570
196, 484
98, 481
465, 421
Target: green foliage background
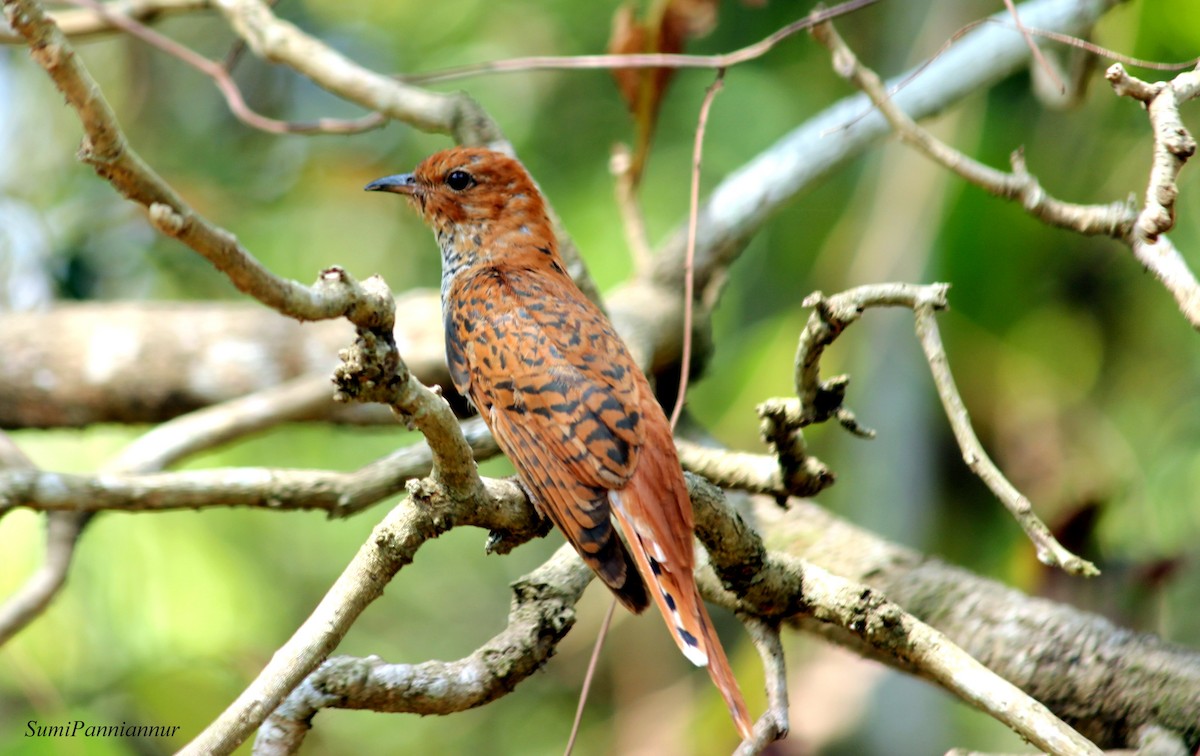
1080, 374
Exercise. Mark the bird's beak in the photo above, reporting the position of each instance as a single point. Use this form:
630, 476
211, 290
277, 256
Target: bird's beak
401, 183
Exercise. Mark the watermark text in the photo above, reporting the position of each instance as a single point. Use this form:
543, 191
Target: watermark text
77, 728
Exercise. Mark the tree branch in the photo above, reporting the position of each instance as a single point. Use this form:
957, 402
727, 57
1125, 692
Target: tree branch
29, 601
107, 151
742, 202
1142, 231
741, 559
819, 401
755, 473
977, 613
279, 41
543, 610
772, 585
1049, 550
426, 514
126, 362
773, 724
224, 82
86, 23
1105, 681
155, 450
339, 494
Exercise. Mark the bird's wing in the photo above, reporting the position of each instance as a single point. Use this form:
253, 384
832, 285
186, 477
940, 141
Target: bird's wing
561, 395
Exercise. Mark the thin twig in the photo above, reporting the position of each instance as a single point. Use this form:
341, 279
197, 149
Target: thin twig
773, 724
239, 47
760, 48
685, 358
1049, 550
106, 149
744, 199
833, 314
689, 265
1143, 232
819, 400
280, 41
590, 675
1033, 48
642, 60
1105, 52
632, 220
1111, 220
225, 83
29, 601
86, 23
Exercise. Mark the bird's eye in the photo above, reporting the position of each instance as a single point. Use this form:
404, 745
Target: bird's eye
459, 180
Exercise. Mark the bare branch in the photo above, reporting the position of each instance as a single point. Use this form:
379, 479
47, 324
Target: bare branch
644, 60
739, 556
146, 362
773, 585
428, 513
1043, 64
456, 114
29, 601
689, 277
743, 201
818, 400
1173, 146
1105, 52
279, 41
339, 494
821, 401
373, 371
756, 473
1049, 550
154, 451
1143, 232
543, 610
107, 151
391, 546
212, 426
85, 23
884, 624
1108, 220
773, 724
225, 83
1106, 681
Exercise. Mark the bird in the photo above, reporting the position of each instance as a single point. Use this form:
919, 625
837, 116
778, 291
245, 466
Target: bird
561, 394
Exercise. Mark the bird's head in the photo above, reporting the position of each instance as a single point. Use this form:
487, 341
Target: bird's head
475, 200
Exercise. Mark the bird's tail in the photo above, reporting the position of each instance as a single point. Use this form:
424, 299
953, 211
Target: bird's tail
668, 571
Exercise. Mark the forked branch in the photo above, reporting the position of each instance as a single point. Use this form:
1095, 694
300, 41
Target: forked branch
819, 401
1144, 231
